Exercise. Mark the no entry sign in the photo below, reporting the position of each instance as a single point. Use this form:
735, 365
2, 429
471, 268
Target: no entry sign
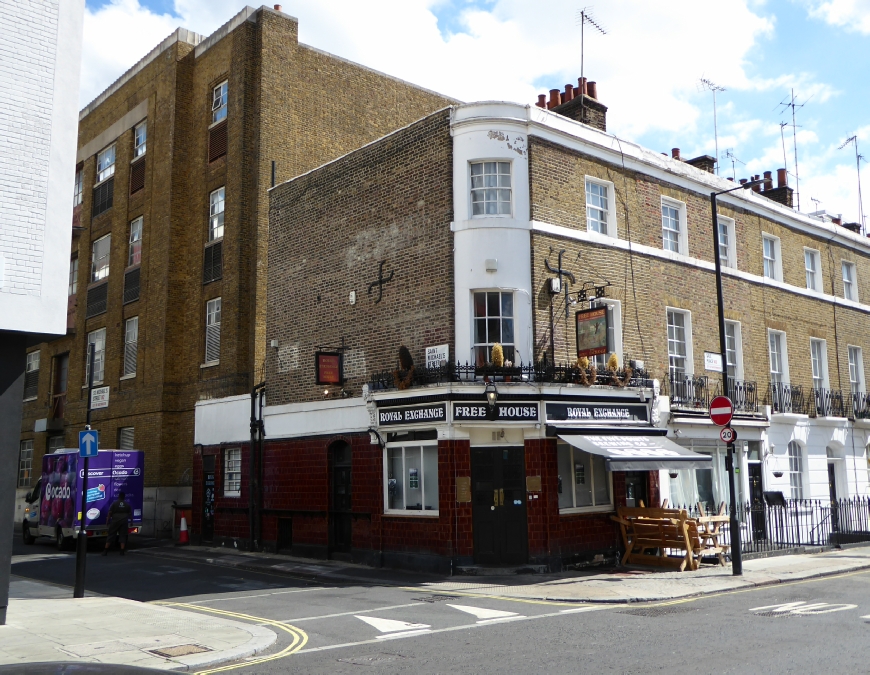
721, 411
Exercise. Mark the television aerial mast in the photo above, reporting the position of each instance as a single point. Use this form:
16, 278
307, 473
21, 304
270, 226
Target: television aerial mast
729, 154
710, 86
853, 140
786, 103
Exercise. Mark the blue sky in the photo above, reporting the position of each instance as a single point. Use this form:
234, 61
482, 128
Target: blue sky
647, 66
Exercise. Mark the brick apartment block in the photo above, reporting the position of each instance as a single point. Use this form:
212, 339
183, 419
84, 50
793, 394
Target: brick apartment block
286, 108
470, 212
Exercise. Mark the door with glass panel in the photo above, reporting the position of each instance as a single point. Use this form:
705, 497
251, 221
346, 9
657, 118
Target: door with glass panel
499, 523
340, 513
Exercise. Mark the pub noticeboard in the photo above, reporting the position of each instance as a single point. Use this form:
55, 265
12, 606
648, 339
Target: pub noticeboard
591, 332
329, 367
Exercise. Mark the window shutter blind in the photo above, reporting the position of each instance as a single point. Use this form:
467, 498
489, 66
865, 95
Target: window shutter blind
97, 299
131, 352
31, 383
217, 141
212, 343
126, 437
137, 176
131, 286
212, 269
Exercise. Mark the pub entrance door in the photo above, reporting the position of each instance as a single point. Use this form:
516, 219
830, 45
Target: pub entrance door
208, 487
340, 511
499, 524
756, 502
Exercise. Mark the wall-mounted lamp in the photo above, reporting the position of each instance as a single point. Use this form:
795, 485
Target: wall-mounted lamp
491, 394
673, 474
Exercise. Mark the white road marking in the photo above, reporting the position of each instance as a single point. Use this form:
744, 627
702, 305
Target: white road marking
391, 625
485, 614
354, 613
803, 609
580, 609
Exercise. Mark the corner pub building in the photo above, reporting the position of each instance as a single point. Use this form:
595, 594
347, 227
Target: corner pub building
394, 434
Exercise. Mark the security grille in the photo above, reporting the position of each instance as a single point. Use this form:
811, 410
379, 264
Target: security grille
97, 299
217, 142
131, 286
103, 197
212, 268
125, 438
137, 176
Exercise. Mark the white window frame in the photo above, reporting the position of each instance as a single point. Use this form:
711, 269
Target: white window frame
819, 363
783, 355
216, 209
614, 323
78, 187
219, 97
682, 241
499, 188
106, 163
31, 365
123, 434
774, 266
98, 338
73, 284
135, 238
212, 329
738, 347
140, 138
572, 482
850, 285
796, 487
25, 463
513, 343
404, 446
730, 227
689, 370
610, 211
101, 273
131, 347
856, 369
232, 458
813, 269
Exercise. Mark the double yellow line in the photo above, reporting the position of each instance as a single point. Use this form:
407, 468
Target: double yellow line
300, 637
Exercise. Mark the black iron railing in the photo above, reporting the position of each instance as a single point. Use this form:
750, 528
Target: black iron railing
689, 393
828, 403
541, 372
786, 398
860, 402
800, 522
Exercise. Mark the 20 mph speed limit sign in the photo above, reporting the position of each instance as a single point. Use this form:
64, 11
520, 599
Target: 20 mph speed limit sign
728, 435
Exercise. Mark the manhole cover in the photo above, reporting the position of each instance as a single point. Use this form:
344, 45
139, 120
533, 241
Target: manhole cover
436, 598
180, 650
661, 610
372, 659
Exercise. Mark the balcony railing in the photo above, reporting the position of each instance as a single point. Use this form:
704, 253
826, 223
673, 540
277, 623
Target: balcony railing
860, 405
828, 403
786, 398
693, 394
542, 372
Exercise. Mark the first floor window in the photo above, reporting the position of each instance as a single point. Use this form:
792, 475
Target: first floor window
411, 479
849, 291
583, 479
670, 227
54, 444
812, 266
819, 359
126, 438
232, 472
732, 348
213, 331
31, 375
134, 247
678, 365
776, 345
98, 339
727, 250
856, 370
491, 189
795, 470
770, 258
597, 207
25, 463
131, 345
493, 322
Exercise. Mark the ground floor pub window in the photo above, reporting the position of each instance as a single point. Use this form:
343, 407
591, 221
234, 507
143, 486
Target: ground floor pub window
708, 486
411, 480
584, 482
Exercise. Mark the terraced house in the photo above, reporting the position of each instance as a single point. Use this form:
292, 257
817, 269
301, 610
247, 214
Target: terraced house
513, 331
167, 275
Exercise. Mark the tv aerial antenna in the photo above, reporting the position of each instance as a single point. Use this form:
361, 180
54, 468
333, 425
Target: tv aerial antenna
791, 102
816, 202
585, 16
853, 140
729, 154
707, 84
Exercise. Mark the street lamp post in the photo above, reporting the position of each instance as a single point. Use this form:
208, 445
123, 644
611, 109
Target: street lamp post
736, 553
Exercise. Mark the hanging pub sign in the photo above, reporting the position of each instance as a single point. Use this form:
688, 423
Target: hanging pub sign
505, 412
598, 413
329, 367
591, 332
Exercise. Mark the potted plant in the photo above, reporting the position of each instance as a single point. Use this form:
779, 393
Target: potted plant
403, 375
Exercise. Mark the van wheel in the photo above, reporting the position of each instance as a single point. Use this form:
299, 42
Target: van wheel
60, 540
25, 533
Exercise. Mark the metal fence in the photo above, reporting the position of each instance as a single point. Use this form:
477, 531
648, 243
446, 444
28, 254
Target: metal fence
689, 393
800, 522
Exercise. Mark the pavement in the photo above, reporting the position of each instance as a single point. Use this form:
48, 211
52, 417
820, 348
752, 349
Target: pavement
44, 624
621, 585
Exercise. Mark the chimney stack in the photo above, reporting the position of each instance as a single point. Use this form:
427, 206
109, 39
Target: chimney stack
578, 103
782, 193
675, 154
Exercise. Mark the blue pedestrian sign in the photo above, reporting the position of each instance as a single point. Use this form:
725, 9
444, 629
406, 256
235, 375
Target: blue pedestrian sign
89, 443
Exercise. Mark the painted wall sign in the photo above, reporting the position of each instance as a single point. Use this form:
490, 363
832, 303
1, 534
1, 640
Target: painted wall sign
412, 415
437, 356
598, 413
328, 367
507, 412
591, 332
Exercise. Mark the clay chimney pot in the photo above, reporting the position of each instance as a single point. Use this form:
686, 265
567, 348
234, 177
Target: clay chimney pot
675, 153
542, 101
768, 181
592, 90
569, 93
581, 85
781, 178
555, 98
277, 8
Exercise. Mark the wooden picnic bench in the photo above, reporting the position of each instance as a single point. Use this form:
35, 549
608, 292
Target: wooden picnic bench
649, 534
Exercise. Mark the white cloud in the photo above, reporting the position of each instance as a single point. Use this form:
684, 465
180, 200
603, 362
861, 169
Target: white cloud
853, 15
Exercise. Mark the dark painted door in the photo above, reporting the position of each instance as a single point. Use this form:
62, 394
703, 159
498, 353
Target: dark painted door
756, 502
499, 523
635, 488
340, 518
208, 498
832, 490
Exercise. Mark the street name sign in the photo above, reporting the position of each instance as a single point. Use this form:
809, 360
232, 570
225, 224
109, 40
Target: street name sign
89, 443
721, 411
99, 398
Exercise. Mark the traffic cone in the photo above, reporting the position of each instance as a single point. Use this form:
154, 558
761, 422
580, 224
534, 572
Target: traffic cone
183, 536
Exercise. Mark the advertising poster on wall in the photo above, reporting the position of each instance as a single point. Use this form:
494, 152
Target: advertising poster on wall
591, 332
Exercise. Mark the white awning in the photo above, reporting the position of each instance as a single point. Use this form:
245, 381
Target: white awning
639, 453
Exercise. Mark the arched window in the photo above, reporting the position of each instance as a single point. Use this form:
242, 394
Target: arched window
796, 470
